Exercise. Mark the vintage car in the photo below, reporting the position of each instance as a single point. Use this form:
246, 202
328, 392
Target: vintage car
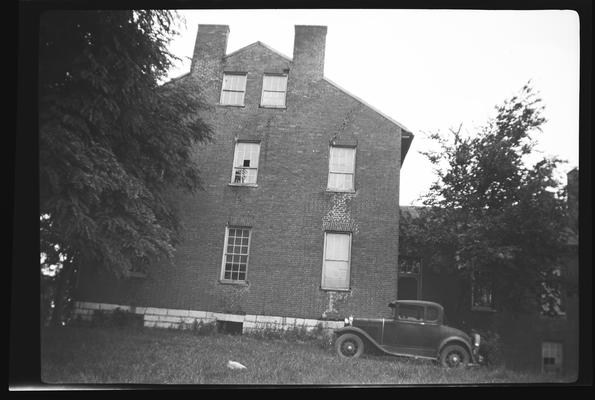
415, 330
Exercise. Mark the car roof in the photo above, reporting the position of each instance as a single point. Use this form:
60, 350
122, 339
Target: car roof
415, 302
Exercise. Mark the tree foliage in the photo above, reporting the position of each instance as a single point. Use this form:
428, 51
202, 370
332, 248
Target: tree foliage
492, 216
113, 142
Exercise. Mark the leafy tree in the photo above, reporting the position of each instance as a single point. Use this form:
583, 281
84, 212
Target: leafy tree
113, 142
492, 216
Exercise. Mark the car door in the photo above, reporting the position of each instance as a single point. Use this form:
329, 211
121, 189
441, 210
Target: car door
402, 333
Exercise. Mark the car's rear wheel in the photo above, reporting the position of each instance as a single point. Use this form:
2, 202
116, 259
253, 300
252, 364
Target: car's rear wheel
349, 345
454, 356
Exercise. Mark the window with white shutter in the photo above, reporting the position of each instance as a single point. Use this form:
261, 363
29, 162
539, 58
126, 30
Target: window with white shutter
274, 88
341, 169
233, 89
337, 259
245, 163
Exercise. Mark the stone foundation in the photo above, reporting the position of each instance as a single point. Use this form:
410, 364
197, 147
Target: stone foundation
184, 319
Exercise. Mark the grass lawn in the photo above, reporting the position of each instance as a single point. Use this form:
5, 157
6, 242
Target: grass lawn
154, 356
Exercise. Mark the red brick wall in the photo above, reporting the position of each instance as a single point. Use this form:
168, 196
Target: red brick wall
288, 211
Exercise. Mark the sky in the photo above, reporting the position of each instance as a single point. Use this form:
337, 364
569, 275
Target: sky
430, 70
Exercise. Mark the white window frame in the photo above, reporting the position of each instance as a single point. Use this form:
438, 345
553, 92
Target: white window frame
224, 90
262, 104
225, 254
236, 167
552, 350
330, 155
324, 260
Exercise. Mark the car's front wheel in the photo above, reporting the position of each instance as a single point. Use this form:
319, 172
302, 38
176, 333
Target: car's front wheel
454, 356
349, 345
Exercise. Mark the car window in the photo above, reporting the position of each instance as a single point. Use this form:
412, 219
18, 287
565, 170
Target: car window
432, 314
409, 312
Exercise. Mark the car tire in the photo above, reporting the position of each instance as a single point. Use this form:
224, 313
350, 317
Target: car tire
349, 346
454, 356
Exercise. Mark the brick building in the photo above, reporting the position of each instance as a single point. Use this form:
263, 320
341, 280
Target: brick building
299, 217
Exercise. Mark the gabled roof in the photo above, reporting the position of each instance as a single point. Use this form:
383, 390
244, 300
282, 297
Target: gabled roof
259, 43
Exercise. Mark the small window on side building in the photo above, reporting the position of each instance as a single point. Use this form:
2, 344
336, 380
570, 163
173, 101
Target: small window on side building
551, 357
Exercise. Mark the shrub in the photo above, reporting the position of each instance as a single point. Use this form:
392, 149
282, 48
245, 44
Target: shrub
203, 328
491, 348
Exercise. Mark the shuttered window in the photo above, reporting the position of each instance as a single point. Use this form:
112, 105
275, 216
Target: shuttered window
235, 254
274, 88
233, 89
245, 163
341, 168
336, 265
551, 355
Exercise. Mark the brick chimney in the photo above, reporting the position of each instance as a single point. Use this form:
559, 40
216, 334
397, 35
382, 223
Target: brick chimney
308, 52
209, 49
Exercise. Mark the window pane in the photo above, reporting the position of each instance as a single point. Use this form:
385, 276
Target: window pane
274, 83
340, 181
335, 275
341, 159
273, 99
337, 246
432, 314
410, 312
234, 82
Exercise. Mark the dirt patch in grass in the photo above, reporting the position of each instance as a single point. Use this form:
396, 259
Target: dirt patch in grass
75, 355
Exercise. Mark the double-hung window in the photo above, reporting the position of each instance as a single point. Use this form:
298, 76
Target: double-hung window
274, 88
235, 254
337, 259
551, 356
233, 89
341, 169
245, 163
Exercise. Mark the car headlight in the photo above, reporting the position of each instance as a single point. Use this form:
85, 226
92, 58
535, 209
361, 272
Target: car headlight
349, 321
476, 339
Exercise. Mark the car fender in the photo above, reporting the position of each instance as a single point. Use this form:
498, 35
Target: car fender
360, 332
455, 340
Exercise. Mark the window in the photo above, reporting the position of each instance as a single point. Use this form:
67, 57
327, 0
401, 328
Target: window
335, 269
482, 294
235, 254
432, 314
409, 312
341, 168
233, 89
274, 88
409, 281
245, 163
551, 357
